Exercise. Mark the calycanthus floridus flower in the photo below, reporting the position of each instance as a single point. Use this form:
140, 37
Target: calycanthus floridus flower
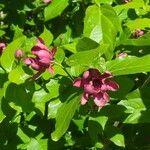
96, 85
43, 58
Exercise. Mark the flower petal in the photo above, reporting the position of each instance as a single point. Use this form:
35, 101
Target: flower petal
86, 74
89, 88
39, 46
106, 74
28, 61
77, 82
84, 98
110, 85
101, 99
94, 73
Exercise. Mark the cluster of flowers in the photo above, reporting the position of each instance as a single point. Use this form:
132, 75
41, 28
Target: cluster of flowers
93, 83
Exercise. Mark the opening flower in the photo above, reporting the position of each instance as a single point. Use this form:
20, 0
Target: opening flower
96, 85
43, 58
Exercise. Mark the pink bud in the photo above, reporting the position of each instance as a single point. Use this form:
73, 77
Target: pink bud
138, 33
47, 1
19, 54
2, 47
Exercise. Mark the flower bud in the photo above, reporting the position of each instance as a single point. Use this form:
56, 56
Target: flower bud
138, 33
2, 47
47, 1
19, 54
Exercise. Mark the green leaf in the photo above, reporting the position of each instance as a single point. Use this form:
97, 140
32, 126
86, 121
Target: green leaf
23, 136
85, 44
140, 23
82, 58
64, 115
96, 24
2, 33
28, 44
94, 130
2, 115
102, 120
34, 144
59, 55
115, 135
129, 65
18, 32
125, 86
71, 47
49, 91
7, 59
135, 4
118, 139
88, 58
103, 1
47, 36
21, 95
18, 75
54, 9
133, 105
53, 107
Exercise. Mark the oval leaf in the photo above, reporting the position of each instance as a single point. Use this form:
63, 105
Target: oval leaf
64, 116
54, 9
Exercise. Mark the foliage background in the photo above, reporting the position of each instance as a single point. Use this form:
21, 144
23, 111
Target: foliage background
46, 113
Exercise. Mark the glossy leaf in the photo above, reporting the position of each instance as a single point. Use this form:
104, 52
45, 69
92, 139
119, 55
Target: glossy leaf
129, 65
54, 9
115, 135
96, 24
47, 36
7, 59
64, 117
18, 75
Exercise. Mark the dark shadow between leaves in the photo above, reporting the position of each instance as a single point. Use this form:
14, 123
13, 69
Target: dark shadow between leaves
21, 95
8, 135
66, 90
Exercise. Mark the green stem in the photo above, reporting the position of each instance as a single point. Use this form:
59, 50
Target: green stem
146, 81
65, 70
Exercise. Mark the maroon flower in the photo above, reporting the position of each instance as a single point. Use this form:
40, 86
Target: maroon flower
2, 47
96, 85
19, 54
43, 59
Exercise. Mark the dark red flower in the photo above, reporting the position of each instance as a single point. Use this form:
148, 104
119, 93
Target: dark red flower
43, 60
96, 85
